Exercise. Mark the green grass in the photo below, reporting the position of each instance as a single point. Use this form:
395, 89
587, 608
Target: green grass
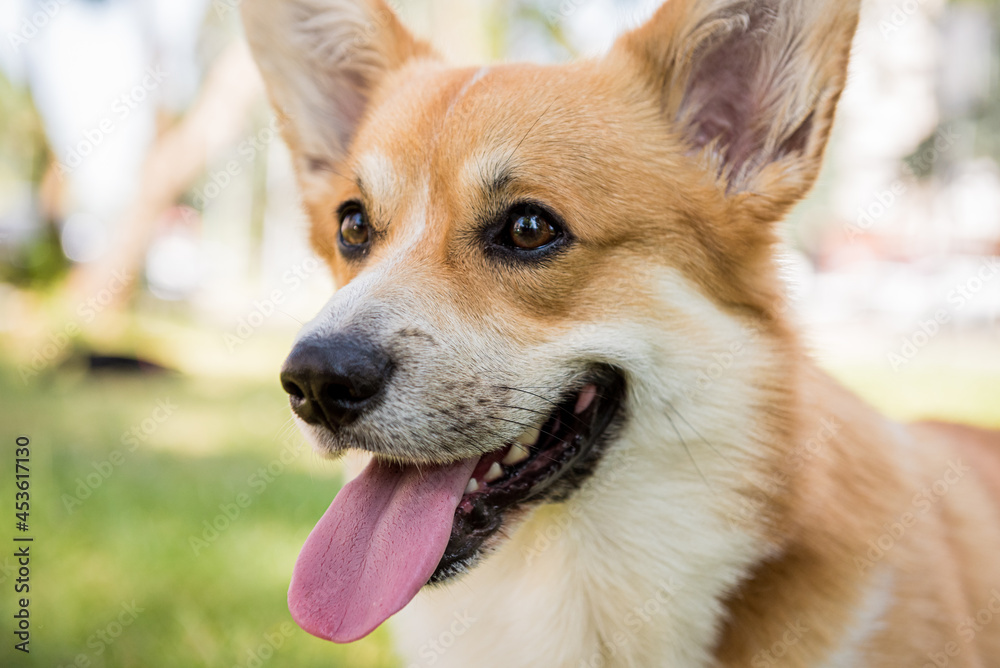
967, 395
130, 539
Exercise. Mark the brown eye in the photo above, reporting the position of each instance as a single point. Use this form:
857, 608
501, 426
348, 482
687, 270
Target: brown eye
354, 230
530, 229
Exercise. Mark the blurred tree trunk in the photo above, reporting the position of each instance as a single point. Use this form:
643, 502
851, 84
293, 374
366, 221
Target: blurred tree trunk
176, 160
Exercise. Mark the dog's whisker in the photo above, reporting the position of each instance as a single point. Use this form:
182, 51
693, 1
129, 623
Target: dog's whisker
550, 401
526, 426
700, 436
287, 429
455, 426
530, 129
523, 408
688, 451
541, 454
496, 435
557, 388
289, 315
472, 439
711, 445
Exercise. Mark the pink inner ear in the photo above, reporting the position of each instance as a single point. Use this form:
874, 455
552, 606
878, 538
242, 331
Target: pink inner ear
738, 77
721, 102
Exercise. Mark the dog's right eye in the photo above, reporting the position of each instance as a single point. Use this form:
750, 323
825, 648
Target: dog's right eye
355, 233
528, 231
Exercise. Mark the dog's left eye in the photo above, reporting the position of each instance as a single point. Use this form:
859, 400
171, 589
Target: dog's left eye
530, 228
354, 230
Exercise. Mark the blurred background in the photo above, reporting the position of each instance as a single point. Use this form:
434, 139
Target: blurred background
154, 270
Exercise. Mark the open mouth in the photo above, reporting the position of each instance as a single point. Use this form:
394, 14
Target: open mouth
397, 527
544, 463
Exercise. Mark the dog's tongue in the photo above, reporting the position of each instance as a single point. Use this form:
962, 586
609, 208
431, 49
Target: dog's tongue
375, 547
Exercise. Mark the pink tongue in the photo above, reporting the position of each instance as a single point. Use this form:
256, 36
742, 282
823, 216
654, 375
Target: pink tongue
375, 547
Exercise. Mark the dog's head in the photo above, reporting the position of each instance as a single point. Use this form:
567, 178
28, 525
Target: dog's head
528, 258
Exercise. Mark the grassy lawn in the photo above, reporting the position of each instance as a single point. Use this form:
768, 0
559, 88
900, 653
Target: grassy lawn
929, 393
117, 579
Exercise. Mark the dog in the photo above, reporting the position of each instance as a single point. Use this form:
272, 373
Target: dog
560, 333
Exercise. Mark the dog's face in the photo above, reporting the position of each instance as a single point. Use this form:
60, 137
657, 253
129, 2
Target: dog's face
528, 256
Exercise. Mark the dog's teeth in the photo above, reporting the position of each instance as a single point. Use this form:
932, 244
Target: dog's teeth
495, 473
518, 453
586, 398
530, 437
473, 486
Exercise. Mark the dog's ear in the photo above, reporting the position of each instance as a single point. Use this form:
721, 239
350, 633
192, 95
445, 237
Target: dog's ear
321, 61
750, 85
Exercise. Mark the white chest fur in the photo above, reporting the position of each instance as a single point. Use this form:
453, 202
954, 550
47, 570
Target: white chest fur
630, 572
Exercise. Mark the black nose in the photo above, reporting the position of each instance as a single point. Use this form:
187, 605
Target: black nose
332, 380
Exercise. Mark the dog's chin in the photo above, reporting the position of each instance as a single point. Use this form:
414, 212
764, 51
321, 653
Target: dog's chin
509, 481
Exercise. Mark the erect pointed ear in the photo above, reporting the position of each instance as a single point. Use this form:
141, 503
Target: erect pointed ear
750, 85
322, 60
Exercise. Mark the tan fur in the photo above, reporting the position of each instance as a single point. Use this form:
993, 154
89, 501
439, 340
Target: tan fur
748, 505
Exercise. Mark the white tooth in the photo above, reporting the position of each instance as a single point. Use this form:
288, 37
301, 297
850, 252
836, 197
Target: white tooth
530, 437
586, 398
495, 473
473, 486
518, 453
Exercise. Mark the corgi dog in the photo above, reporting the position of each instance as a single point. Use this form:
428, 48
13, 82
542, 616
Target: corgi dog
561, 336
